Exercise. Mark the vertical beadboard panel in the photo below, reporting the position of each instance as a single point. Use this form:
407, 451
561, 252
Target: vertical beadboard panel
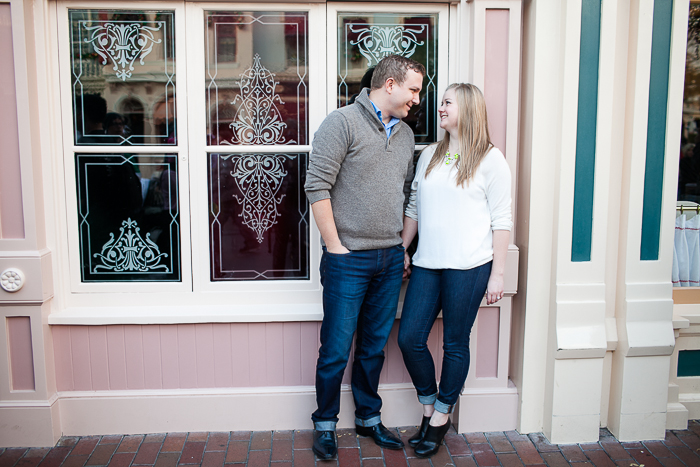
99, 357
187, 355
133, 342
274, 358
80, 355
152, 369
239, 355
257, 359
204, 336
19, 340
62, 357
117, 357
487, 344
309, 352
169, 356
292, 354
221, 346
204, 355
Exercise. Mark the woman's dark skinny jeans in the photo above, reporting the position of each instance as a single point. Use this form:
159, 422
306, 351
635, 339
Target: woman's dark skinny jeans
458, 294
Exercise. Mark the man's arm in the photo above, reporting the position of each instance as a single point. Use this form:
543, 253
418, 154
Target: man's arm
323, 214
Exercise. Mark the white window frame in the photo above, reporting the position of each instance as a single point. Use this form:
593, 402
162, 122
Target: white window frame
196, 298
70, 149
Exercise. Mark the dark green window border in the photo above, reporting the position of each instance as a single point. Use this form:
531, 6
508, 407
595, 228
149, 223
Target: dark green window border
584, 182
656, 129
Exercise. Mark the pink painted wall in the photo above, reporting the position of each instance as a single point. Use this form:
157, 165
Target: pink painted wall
11, 216
496, 74
487, 329
19, 337
93, 358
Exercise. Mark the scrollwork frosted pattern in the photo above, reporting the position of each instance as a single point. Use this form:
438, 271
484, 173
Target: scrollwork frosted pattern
123, 44
123, 77
258, 120
365, 39
259, 216
376, 42
128, 217
256, 78
130, 252
259, 178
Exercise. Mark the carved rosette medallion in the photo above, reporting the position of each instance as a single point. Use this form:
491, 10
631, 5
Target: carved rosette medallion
376, 42
259, 178
130, 252
258, 120
122, 44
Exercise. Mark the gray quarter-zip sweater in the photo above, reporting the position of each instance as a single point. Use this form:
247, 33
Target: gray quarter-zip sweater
366, 175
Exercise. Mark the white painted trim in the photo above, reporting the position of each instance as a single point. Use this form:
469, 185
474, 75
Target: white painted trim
266, 408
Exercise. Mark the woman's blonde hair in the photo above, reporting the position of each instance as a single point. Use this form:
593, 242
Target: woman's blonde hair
473, 128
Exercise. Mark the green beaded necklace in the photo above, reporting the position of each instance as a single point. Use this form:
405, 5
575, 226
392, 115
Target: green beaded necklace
449, 159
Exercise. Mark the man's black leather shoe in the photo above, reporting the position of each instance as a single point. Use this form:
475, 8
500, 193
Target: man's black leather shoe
381, 436
418, 437
325, 446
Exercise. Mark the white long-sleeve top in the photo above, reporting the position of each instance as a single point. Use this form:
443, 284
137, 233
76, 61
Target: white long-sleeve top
455, 223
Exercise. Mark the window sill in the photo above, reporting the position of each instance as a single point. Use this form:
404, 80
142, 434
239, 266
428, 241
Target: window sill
186, 314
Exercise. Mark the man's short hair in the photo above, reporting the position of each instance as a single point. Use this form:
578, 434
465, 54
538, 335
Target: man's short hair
394, 66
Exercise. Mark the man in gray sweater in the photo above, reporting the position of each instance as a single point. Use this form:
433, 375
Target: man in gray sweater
360, 170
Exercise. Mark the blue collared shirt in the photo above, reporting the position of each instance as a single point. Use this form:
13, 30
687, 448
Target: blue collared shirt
387, 126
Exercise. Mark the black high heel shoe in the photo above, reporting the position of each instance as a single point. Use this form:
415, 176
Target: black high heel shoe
414, 440
432, 440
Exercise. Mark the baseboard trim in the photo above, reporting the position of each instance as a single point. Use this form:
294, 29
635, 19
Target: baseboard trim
233, 409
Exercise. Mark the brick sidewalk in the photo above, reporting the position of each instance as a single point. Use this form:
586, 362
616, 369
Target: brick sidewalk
293, 448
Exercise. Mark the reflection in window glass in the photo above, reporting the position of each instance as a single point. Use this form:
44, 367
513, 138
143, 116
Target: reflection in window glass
123, 77
686, 245
258, 216
364, 39
256, 78
128, 216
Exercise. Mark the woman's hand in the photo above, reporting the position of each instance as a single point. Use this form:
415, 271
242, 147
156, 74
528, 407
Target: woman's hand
494, 290
406, 265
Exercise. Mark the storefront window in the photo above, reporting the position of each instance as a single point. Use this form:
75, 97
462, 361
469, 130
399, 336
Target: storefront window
256, 78
364, 39
686, 253
129, 217
123, 62
256, 96
258, 216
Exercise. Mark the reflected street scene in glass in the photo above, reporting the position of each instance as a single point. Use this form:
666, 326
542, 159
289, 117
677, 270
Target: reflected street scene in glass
128, 216
123, 77
258, 216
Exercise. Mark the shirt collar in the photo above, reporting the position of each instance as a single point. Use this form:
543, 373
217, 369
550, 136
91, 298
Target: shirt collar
391, 123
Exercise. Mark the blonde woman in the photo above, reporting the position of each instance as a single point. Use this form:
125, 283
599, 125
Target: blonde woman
460, 205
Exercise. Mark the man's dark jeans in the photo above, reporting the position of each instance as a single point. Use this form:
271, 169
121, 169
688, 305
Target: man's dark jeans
360, 293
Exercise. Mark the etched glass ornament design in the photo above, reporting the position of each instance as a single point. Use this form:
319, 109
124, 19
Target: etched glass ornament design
130, 252
258, 120
122, 44
259, 178
376, 42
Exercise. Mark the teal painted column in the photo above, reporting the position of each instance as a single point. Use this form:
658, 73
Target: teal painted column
584, 181
656, 129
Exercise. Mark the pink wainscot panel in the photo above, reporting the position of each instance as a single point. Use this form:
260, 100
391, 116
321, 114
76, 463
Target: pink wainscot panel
19, 336
11, 213
496, 74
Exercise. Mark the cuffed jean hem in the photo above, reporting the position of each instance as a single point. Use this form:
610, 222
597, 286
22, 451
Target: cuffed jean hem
369, 422
324, 426
428, 400
444, 408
